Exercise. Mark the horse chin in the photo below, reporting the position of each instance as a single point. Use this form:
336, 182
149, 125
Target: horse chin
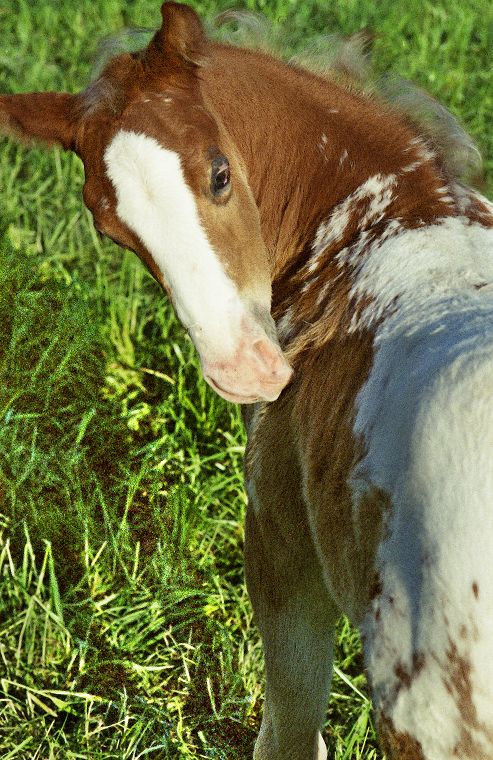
256, 370
244, 397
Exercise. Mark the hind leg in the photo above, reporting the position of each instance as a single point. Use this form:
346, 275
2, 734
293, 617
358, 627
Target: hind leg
296, 619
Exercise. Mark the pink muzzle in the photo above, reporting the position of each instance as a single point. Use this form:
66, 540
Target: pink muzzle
257, 371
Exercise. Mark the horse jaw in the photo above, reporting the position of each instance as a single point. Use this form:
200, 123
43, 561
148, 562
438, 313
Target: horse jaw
239, 359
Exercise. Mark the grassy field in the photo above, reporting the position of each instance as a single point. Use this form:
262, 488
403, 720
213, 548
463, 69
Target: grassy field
125, 627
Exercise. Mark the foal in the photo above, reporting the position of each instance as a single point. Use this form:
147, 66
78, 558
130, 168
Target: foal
335, 276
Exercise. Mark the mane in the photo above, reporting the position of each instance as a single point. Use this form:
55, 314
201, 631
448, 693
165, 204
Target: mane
347, 61
343, 60
127, 40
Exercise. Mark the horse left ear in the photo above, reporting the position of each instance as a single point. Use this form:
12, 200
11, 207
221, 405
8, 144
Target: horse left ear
182, 35
47, 117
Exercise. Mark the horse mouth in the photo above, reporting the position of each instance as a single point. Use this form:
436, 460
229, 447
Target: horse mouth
254, 370
237, 398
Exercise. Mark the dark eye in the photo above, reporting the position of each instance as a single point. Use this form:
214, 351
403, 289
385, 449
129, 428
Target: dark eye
221, 175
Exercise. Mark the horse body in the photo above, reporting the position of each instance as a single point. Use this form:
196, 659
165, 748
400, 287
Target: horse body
369, 478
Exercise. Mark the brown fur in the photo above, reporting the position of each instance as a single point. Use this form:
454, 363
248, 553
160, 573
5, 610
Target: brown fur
397, 744
324, 410
48, 117
458, 682
304, 538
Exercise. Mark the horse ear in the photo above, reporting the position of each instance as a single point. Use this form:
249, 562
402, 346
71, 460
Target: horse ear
181, 35
45, 116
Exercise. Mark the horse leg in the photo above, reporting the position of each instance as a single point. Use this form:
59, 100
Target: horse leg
296, 618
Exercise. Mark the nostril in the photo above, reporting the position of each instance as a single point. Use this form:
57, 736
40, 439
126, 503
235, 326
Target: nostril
263, 350
271, 358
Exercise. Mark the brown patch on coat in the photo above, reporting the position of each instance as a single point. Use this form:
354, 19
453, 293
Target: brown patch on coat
274, 200
398, 745
459, 683
405, 676
303, 449
279, 516
475, 208
304, 443
475, 590
376, 587
323, 413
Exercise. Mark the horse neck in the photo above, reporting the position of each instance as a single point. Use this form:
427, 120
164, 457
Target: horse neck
307, 145
260, 110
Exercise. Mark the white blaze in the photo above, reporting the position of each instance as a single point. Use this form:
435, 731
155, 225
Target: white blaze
155, 202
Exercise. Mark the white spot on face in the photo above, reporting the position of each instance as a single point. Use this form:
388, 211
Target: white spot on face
155, 202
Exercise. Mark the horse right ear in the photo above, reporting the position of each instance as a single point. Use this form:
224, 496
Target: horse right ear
181, 37
47, 117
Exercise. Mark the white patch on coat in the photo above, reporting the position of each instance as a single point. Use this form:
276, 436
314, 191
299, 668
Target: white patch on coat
412, 167
155, 202
425, 415
423, 155
322, 146
416, 267
382, 195
285, 325
418, 146
465, 197
444, 194
251, 490
378, 188
330, 232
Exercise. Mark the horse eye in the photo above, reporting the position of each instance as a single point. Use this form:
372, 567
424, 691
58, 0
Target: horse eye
221, 175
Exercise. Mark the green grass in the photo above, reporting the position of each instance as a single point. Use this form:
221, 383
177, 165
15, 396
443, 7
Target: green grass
125, 627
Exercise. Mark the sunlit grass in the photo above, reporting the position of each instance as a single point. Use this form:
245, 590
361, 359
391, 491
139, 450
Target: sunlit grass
125, 627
